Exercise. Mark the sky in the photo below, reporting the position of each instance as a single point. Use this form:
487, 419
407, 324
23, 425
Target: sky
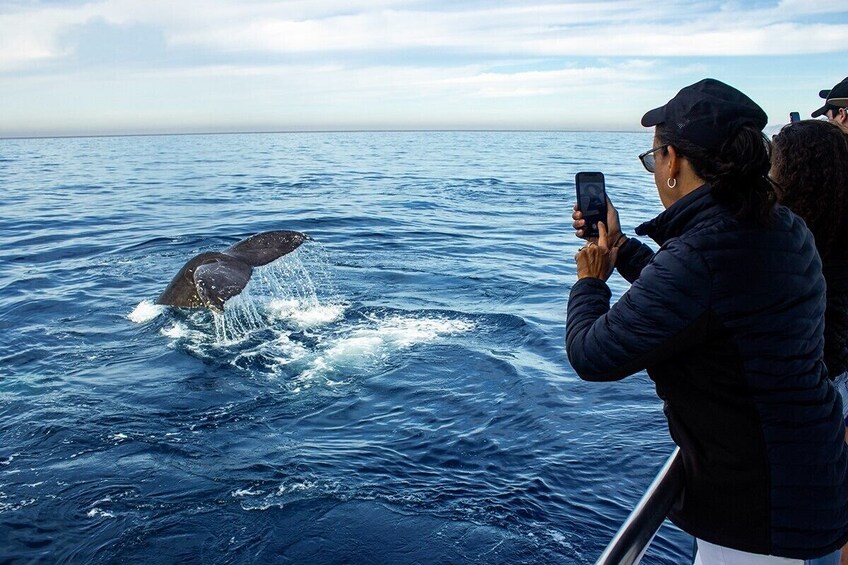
104, 67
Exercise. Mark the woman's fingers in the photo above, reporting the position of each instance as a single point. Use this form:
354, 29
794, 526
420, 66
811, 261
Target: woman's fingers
602, 237
579, 224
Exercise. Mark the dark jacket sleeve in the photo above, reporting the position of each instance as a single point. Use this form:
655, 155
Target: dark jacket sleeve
632, 258
661, 315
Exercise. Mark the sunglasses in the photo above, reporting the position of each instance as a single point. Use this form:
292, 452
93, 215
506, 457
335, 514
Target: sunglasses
649, 160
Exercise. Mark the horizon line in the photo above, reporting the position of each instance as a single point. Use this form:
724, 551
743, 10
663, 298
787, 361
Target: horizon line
363, 130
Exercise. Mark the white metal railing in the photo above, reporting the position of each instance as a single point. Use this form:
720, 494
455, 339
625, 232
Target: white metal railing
635, 535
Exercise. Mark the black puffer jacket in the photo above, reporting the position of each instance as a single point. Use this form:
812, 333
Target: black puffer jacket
727, 318
836, 317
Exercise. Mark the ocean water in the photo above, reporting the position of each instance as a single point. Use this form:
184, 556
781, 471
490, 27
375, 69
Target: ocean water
394, 391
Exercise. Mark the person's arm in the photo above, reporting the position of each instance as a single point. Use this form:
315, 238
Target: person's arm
664, 312
633, 255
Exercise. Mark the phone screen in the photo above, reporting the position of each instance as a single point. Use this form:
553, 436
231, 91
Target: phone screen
794, 117
591, 200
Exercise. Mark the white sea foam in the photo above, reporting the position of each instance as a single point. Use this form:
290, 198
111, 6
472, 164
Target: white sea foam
405, 331
176, 331
242, 492
395, 332
373, 343
305, 315
16, 505
367, 345
286, 493
296, 487
145, 312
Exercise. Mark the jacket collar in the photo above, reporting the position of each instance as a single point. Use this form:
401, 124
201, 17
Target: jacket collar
681, 216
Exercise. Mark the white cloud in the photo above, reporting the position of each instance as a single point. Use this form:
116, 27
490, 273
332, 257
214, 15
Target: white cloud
611, 28
307, 97
566, 29
809, 7
551, 82
357, 62
29, 37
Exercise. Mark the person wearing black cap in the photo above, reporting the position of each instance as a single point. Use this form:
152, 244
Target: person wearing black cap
835, 106
727, 318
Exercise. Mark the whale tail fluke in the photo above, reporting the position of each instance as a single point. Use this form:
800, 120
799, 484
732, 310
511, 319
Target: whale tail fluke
262, 248
211, 278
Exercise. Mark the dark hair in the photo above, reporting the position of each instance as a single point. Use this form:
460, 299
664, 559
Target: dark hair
737, 171
810, 173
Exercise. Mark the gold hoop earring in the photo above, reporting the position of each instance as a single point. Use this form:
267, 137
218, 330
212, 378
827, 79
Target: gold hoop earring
669, 184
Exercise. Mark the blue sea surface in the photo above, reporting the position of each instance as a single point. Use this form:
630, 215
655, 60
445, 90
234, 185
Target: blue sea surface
395, 391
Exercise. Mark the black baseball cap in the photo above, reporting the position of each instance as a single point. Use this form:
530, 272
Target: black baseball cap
707, 113
836, 97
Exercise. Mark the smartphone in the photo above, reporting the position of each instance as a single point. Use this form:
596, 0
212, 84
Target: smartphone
794, 117
591, 200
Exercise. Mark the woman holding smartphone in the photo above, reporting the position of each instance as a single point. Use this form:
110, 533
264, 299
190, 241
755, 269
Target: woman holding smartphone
727, 318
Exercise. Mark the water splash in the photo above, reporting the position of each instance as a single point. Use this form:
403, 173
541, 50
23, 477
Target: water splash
371, 343
290, 323
305, 316
145, 312
297, 289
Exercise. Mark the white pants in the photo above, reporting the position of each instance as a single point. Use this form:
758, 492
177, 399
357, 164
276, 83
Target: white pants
711, 554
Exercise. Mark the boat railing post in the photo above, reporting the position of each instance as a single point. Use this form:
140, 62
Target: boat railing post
635, 535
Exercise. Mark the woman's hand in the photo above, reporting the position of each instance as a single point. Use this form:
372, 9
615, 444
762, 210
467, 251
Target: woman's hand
596, 259
615, 236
